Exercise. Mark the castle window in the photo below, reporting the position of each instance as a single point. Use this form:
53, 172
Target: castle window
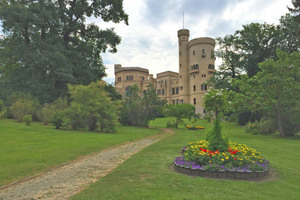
181, 100
195, 101
180, 76
129, 78
180, 53
165, 83
119, 79
194, 87
204, 111
203, 87
177, 90
181, 88
203, 75
203, 53
180, 65
177, 101
193, 52
158, 92
173, 101
162, 92
142, 78
173, 90
211, 66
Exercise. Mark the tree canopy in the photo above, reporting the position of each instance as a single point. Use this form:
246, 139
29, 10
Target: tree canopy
49, 44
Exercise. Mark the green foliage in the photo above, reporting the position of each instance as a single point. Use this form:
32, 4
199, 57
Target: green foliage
137, 109
27, 119
2, 109
22, 107
91, 108
267, 126
46, 113
179, 112
216, 100
215, 139
252, 127
50, 44
57, 119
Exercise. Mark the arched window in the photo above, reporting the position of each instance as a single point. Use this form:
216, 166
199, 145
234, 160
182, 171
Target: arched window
194, 87
195, 101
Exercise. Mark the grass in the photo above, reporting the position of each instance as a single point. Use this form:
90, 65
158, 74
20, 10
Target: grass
28, 150
146, 175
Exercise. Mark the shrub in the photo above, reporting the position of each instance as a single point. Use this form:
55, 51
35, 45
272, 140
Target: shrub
2, 109
22, 107
57, 119
252, 128
27, 119
215, 139
267, 126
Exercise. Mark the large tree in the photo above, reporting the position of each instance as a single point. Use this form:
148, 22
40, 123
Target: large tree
48, 43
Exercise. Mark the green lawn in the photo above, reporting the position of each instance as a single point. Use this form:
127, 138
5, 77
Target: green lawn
27, 150
146, 175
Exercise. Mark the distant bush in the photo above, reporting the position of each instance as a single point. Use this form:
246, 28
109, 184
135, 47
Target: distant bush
57, 119
252, 127
22, 107
2, 109
171, 124
267, 126
27, 119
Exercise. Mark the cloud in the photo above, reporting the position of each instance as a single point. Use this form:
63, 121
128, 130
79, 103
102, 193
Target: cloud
150, 40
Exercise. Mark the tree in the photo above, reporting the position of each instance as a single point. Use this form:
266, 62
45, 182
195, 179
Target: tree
296, 12
50, 44
91, 107
216, 100
179, 112
277, 89
139, 109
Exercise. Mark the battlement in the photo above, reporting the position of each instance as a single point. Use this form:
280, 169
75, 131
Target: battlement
183, 32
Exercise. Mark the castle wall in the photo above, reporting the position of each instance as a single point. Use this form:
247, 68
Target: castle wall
196, 65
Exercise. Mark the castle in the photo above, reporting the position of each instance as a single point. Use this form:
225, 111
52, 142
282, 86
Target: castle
196, 65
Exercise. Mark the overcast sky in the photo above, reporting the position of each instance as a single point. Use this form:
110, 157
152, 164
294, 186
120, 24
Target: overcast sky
150, 40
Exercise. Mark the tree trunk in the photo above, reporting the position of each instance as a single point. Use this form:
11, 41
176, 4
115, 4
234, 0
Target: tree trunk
279, 122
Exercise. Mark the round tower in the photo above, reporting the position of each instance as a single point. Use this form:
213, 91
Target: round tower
201, 66
183, 39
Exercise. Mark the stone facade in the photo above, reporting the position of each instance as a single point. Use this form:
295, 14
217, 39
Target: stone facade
196, 65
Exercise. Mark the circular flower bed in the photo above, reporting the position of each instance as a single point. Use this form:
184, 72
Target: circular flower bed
194, 127
238, 157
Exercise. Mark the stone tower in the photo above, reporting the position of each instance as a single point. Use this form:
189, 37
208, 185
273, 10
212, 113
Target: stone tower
183, 39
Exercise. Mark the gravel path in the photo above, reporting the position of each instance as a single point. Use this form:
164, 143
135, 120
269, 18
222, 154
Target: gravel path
66, 181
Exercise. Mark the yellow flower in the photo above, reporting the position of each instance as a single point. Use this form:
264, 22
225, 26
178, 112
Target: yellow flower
222, 159
227, 158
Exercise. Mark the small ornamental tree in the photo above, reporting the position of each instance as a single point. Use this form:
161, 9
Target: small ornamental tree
216, 101
179, 112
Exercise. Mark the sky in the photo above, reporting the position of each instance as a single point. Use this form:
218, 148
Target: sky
150, 40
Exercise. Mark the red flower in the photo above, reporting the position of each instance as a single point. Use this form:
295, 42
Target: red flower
234, 158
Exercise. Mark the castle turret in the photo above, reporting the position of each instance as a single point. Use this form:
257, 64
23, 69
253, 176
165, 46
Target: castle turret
183, 39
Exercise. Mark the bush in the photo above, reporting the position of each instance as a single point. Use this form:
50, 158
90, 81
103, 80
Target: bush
22, 107
215, 139
27, 119
252, 128
171, 124
57, 119
2, 109
267, 126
